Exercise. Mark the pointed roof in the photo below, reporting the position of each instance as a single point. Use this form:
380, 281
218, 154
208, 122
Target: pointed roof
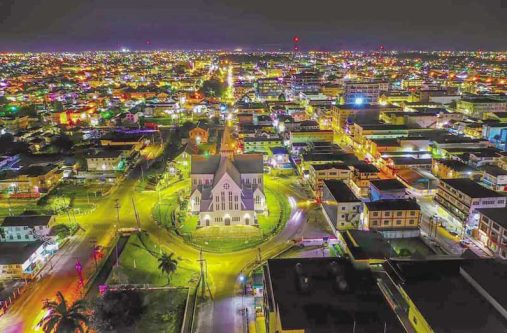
226, 167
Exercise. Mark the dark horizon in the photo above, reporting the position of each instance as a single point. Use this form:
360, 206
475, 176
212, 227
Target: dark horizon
327, 25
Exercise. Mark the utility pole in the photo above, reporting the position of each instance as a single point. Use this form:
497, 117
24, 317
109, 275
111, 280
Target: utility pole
135, 213
117, 206
203, 277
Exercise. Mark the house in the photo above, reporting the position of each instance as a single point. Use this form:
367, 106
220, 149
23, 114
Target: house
362, 174
26, 228
30, 180
494, 177
20, 260
279, 157
397, 218
106, 160
493, 230
387, 189
318, 173
227, 190
462, 197
199, 135
447, 168
340, 205
261, 144
324, 295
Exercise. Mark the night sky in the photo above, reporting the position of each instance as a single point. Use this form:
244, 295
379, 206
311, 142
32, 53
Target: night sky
46, 25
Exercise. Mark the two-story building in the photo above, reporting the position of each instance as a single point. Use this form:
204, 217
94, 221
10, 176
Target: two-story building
399, 218
461, 197
318, 173
361, 176
26, 228
387, 189
493, 230
340, 205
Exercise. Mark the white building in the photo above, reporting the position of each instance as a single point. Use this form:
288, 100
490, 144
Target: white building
105, 160
19, 260
341, 207
361, 92
227, 190
26, 228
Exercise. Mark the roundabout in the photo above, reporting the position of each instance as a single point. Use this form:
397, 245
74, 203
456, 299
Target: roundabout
172, 213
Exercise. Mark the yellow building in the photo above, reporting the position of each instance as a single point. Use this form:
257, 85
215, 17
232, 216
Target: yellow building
397, 218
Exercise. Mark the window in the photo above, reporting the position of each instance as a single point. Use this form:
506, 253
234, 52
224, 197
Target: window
375, 214
386, 222
412, 213
399, 213
398, 222
226, 186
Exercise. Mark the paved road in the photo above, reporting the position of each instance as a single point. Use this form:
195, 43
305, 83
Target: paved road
223, 269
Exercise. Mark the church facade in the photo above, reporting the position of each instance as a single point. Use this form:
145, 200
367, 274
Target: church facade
227, 190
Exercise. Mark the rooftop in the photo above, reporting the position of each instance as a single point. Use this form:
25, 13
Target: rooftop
12, 253
26, 220
309, 298
399, 204
340, 191
388, 184
444, 297
498, 215
471, 188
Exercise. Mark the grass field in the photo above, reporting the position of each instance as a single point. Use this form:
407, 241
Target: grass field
139, 264
164, 312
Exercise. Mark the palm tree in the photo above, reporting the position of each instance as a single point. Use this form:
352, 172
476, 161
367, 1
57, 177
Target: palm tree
63, 318
167, 265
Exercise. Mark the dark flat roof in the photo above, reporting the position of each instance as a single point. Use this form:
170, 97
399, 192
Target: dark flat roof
26, 220
323, 309
365, 167
388, 184
399, 204
364, 244
445, 299
327, 166
471, 188
12, 253
340, 191
491, 275
499, 215
493, 170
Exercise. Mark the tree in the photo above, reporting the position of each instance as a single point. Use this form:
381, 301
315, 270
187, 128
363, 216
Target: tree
63, 142
64, 318
167, 265
61, 230
2, 233
118, 309
213, 88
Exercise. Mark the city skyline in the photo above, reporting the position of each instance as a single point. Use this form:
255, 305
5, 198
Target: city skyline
221, 24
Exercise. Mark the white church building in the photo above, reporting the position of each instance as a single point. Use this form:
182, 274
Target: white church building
227, 189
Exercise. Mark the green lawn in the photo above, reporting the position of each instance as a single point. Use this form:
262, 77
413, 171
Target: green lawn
279, 211
164, 312
139, 264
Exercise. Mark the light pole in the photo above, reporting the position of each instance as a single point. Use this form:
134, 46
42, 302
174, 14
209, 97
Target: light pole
117, 206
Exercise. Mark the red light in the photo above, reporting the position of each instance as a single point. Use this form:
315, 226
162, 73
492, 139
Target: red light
295, 39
